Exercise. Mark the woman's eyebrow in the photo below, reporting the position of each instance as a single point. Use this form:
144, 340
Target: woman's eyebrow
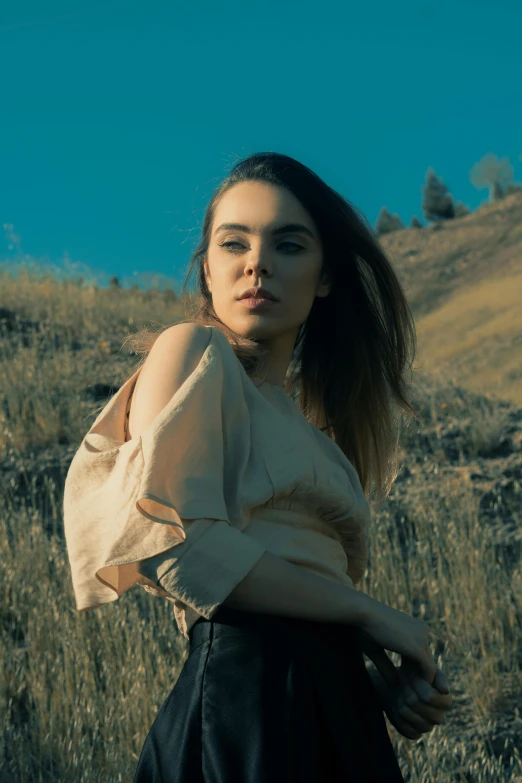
289, 228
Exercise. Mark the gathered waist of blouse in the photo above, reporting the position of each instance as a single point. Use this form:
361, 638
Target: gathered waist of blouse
301, 539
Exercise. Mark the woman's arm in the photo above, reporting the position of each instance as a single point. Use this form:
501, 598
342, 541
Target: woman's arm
275, 586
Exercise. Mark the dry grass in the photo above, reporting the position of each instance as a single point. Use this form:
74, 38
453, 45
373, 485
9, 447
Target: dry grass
485, 321
433, 263
81, 690
464, 285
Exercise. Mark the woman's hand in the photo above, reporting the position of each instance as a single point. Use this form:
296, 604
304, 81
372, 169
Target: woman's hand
384, 628
413, 706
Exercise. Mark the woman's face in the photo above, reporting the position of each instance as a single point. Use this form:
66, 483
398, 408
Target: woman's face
288, 263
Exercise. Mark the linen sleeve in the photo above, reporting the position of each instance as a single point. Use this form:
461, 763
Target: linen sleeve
204, 569
160, 509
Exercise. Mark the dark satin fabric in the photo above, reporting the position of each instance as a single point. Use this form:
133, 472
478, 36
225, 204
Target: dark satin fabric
263, 698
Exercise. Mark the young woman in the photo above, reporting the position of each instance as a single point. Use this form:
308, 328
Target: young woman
232, 474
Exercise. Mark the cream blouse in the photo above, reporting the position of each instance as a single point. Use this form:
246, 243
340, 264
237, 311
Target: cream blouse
226, 471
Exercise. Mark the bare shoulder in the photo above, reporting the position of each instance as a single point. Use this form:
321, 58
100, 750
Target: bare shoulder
174, 356
177, 352
187, 335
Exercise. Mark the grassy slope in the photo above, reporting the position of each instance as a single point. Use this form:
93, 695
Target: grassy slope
81, 690
464, 285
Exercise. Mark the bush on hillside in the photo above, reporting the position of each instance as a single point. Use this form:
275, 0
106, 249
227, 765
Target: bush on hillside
437, 201
386, 222
461, 210
493, 173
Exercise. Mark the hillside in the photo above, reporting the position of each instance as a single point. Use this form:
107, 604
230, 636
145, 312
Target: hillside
463, 279
445, 546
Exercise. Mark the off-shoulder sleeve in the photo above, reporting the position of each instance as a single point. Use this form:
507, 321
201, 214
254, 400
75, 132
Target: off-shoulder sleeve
126, 502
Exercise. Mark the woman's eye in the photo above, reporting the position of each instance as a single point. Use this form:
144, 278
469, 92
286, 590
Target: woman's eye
228, 244
292, 244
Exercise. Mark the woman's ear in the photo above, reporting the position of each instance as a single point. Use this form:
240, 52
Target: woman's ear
325, 286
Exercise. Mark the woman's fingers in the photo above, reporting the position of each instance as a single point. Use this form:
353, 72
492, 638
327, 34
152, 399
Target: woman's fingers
426, 690
407, 723
406, 729
439, 683
429, 695
416, 707
421, 715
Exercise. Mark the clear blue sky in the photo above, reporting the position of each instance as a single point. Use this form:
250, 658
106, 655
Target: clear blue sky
120, 118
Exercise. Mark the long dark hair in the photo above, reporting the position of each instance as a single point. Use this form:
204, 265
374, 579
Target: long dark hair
351, 355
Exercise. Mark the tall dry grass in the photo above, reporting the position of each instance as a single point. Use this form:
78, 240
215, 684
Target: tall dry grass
79, 691
485, 321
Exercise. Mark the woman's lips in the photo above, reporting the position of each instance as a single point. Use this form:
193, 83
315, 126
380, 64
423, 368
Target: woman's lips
256, 302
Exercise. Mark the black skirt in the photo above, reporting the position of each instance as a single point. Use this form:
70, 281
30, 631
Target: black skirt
263, 698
